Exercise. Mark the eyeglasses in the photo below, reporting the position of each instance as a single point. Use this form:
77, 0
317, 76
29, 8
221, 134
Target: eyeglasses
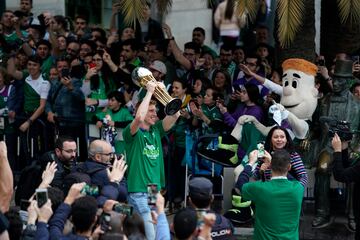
97, 59
69, 150
108, 154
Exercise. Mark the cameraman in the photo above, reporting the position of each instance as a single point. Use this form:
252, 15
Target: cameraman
347, 174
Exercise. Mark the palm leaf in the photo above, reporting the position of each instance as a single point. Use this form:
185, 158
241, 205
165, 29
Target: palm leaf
290, 16
132, 10
349, 10
164, 6
248, 7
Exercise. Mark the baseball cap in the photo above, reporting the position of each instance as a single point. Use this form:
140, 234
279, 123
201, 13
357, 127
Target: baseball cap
158, 66
200, 188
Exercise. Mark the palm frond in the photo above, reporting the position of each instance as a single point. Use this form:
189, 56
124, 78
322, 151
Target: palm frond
132, 10
290, 16
349, 10
248, 7
164, 6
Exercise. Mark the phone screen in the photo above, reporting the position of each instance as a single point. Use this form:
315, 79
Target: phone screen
321, 62
65, 72
105, 219
41, 196
356, 59
123, 209
152, 192
200, 216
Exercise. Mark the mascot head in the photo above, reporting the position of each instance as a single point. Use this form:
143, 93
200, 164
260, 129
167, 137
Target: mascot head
299, 92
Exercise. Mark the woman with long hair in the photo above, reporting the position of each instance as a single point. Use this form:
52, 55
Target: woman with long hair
228, 22
279, 138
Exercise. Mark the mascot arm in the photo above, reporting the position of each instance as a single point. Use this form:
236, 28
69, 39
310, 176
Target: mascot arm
276, 88
299, 126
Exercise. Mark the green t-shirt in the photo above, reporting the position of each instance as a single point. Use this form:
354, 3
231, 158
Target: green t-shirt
213, 113
278, 205
144, 158
122, 115
99, 93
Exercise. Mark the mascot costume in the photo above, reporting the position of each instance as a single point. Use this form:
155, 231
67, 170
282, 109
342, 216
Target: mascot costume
299, 98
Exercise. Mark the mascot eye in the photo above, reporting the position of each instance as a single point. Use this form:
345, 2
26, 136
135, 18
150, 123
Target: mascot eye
286, 83
294, 84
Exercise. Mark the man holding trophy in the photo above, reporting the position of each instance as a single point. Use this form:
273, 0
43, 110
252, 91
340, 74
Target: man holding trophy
143, 149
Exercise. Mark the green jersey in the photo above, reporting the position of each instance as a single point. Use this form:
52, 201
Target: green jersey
144, 157
99, 93
278, 205
34, 90
213, 113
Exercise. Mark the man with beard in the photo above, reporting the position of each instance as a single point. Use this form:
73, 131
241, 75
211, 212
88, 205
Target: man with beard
65, 157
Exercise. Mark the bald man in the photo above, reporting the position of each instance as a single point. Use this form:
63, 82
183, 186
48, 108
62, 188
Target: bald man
112, 183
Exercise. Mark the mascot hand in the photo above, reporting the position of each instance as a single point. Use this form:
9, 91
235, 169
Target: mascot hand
246, 118
280, 107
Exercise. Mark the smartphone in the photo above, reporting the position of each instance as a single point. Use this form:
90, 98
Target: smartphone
65, 72
122, 208
200, 216
152, 192
77, 71
356, 59
41, 19
237, 88
90, 190
321, 62
92, 65
24, 204
261, 150
105, 219
41, 196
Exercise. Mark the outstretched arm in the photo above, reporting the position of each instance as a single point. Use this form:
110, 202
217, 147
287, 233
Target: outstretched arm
176, 50
276, 88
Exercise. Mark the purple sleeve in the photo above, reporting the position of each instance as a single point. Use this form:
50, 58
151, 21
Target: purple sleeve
229, 120
298, 169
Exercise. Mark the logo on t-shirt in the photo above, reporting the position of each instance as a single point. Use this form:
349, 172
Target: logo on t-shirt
151, 151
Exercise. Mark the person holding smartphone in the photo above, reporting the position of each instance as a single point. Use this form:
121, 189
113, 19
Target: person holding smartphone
106, 170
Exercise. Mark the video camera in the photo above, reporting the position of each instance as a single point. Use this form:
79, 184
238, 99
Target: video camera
342, 128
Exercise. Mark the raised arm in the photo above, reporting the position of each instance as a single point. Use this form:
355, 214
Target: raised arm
6, 179
180, 58
143, 108
276, 88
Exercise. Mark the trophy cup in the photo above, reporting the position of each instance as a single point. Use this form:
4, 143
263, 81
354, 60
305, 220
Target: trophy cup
141, 76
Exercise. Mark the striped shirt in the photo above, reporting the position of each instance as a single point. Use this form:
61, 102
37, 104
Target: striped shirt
296, 172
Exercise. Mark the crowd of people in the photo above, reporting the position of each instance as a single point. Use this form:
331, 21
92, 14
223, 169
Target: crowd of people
92, 153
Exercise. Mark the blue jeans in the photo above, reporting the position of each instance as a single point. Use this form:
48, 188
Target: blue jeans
140, 203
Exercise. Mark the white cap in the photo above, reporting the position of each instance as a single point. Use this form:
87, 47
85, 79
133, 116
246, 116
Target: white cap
158, 66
